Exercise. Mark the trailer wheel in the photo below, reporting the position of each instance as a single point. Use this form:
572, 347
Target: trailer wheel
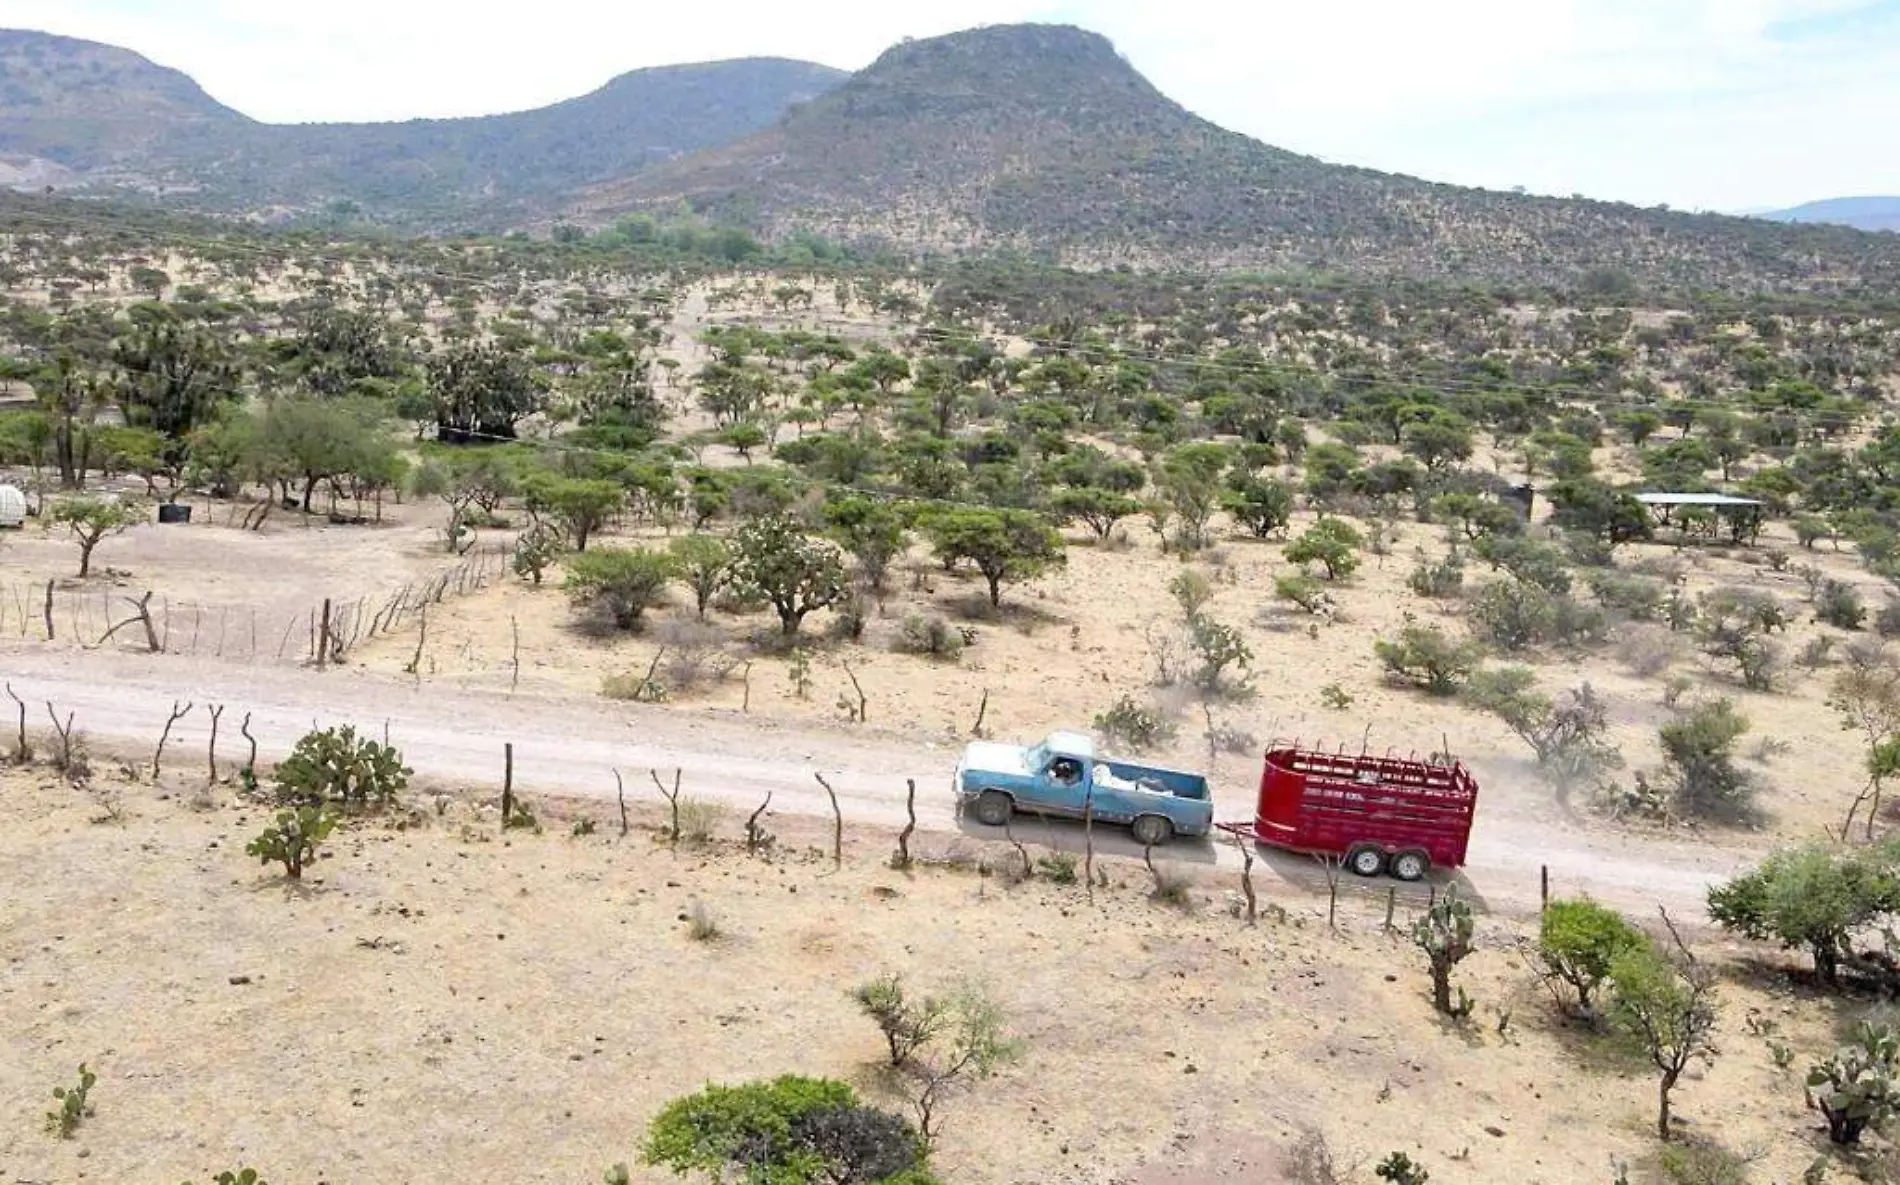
1151, 830
1365, 860
1411, 865
993, 808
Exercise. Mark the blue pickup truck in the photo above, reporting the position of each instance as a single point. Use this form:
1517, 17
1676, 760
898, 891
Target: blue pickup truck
1064, 776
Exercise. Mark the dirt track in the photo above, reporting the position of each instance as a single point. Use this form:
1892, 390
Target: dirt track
570, 746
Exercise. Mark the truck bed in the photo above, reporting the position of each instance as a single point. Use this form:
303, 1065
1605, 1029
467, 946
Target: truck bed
1126, 775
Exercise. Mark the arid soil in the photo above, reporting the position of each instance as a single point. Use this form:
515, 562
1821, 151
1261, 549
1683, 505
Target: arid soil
438, 1004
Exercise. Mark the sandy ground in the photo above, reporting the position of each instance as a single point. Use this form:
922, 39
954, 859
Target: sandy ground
218, 591
571, 745
439, 1005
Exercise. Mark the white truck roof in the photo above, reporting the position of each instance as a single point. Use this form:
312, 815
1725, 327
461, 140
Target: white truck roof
1071, 744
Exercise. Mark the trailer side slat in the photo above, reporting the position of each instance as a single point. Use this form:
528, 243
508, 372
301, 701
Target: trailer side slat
1313, 800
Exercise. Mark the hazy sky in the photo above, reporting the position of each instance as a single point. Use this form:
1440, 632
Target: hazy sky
1725, 104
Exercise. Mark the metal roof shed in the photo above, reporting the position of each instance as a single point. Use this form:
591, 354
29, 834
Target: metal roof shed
1742, 516
1695, 500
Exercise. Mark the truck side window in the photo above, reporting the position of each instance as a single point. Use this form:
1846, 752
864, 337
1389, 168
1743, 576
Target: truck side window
1064, 769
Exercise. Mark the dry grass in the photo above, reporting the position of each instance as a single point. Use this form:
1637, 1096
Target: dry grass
464, 1009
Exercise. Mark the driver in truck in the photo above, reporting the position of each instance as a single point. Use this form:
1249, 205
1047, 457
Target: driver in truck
1066, 770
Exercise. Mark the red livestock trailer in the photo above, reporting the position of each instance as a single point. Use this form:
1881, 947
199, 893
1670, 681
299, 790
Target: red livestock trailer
1379, 813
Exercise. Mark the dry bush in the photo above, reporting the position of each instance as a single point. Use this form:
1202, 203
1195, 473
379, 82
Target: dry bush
696, 654
1646, 651
635, 686
698, 819
1310, 1161
929, 635
1668, 569
701, 924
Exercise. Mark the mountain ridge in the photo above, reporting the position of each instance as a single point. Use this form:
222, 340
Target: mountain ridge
1871, 212
191, 142
1032, 139
956, 143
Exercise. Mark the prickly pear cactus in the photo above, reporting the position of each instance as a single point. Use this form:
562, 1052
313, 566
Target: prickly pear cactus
1445, 934
1858, 1086
336, 768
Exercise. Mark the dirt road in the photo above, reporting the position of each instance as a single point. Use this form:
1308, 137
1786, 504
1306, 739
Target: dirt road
571, 746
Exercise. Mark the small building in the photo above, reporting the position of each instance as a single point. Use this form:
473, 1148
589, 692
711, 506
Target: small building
12, 507
1709, 513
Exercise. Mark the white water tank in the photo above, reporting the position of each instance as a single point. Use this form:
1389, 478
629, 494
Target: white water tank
12, 507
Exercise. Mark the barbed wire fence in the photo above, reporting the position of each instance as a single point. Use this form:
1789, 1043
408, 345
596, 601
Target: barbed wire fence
322, 633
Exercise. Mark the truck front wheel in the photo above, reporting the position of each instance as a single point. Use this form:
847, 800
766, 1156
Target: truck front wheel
993, 808
1150, 830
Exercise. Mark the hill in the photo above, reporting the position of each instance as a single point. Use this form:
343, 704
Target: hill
108, 116
86, 106
1863, 213
1042, 139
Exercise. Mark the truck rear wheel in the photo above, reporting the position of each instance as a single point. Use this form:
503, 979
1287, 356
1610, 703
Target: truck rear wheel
1150, 830
1411, 865
993, 808
1365, 860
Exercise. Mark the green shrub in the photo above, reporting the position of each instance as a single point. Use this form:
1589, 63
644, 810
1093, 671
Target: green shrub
1304, 591
625, 581
1577, 943
293, 839
1527, 560
1814, 897
928, 635
1439, 580
1627, 595
1512, 615
1218, 648
907, 1024
1839, 605
788, 1131
1057, 868
1701, 1164
1401, 1169
1699, 755
1261, 504
333, 767
1332, 543
1425, 656
1134, 727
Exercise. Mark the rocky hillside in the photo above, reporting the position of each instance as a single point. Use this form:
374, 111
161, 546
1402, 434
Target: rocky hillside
108, 116
1043, 139
85, 106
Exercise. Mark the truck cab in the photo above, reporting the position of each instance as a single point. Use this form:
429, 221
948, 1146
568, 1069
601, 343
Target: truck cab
1064, 776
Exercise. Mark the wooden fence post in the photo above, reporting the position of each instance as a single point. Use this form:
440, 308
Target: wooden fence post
323, 636
507, 784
